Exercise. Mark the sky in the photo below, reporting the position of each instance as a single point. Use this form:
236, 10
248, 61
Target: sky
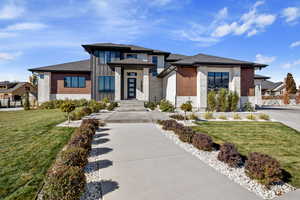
36, 33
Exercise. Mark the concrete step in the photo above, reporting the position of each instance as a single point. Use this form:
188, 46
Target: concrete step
131, 105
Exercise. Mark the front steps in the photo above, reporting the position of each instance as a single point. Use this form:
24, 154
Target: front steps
131, 106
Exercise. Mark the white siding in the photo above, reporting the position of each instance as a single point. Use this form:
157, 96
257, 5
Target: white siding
44, 87
169, 87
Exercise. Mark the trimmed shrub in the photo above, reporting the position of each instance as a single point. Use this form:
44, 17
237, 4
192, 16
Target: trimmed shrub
251, 117
96, 106
193, 117
234, 102
64, 183
222, 100
211, 101
93, 122
186, 134
112, 106
229, 154
170, 125
68, 107
223, 117
106, 100
166, 106
203, 142
236, 116
263, 168
80, 139
186, 107
73, 156
86, 110
264, 117
209, 115
177, 117
76, 115
150, 105
248, 107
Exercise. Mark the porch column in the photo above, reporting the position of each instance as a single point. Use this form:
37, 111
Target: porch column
146, 84
202, 87
118, 83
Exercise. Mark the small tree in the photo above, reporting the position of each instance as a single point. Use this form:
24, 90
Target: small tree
222, 100
286, 98
290, 85
211, 101
33, 79
234, 101
27, 103
186, 107
67, 107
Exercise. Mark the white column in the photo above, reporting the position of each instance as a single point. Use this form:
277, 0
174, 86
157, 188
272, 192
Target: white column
146, 84
202, 87
236, 80
118, 83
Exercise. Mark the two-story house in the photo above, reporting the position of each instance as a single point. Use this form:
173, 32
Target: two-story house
125, 72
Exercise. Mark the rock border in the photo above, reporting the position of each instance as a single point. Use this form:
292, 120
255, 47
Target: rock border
235, 174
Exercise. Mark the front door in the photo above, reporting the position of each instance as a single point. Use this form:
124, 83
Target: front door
131, 88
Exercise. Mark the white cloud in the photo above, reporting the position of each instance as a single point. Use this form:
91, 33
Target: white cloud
12, 9
25, 26
264, 59
290, 64
7, 35
291, 14
295, 44
160, 2
9, 56
250, 23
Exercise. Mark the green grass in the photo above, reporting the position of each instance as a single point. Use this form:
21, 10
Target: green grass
275, 139
29, 142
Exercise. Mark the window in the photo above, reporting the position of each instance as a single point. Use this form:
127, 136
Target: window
106, 83
131, 74
108, 56
218, 80
74, 82
41, 76
154, 69
131, 55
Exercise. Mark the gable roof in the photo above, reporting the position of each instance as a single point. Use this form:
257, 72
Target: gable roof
269, 85
126, 47
208, 59
77, 66
257, 76
175, 57
16, 86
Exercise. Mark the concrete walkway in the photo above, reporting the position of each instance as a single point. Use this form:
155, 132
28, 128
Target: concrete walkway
145, 165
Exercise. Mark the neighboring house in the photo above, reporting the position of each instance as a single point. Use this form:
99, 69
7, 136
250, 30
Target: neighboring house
269, 88
123, 72
15, 91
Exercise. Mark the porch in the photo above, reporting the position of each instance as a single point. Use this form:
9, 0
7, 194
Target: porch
132, 79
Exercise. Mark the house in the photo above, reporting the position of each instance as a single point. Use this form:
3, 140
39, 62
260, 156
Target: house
268, 88
125, 72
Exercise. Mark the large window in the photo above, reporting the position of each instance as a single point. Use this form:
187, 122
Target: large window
154, 69
131, 55
74, 82
106, 83
218, 80
108, 56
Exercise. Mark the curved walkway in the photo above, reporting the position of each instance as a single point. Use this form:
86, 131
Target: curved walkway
136, 162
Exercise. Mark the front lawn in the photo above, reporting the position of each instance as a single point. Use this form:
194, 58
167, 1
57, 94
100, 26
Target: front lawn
275, 139
29, 142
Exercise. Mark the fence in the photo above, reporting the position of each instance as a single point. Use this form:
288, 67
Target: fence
6, 103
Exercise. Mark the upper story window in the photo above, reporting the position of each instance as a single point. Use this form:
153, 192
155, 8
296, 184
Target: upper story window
218, 80
154, 69
74, 82
131, 55
108, 56
106, 83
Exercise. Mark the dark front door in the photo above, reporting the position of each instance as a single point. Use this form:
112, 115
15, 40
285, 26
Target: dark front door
131, 88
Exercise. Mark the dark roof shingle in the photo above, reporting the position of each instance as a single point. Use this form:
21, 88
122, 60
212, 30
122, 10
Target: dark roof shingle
77, 66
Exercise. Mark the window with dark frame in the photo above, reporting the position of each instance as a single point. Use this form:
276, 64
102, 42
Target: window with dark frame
74, 82
106, 83
131, 55
154, 69
108, 56
218, 80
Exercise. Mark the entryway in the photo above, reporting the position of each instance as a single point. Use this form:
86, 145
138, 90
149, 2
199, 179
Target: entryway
131, 88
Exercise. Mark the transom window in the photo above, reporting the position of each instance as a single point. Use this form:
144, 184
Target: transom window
154, 69
106, 83
218, 80
131, 74
74, 82
108, 56
131, 55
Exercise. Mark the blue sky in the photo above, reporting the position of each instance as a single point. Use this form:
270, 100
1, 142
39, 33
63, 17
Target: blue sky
37, 33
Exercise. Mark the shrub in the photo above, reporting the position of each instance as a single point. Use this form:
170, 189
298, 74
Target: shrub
170, 125
222, 100
263, 168
251, 117
208, 115
223, 117
185, 134
236, 116
106, 100
67, 107
264, 117
229, 154
73, 156
64, 183
26, 103
86, 111
203, 142
211, 101
112, 106
80, 139
150, 105
76, 115
177, 117
96, 106
166, 106
193, 117
248, 107
233, 101
186, 107
94, 122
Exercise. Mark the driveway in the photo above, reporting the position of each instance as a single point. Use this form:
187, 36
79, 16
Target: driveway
136, 162
289, 115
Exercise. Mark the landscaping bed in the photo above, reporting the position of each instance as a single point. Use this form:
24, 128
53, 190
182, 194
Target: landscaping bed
29, 143
259, 173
